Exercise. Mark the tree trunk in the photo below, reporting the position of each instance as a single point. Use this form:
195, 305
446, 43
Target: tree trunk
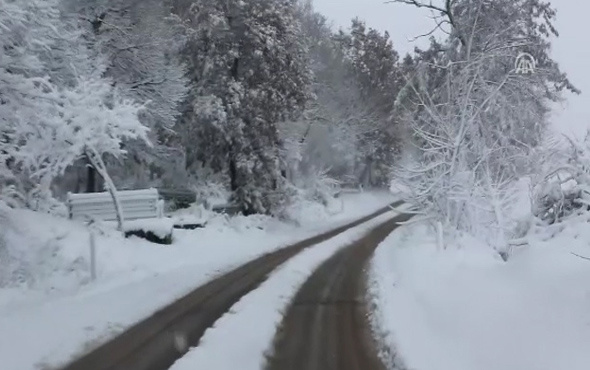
96, 161
90, 178
365, 177
233, 173
501, 242
306, 134
235, 69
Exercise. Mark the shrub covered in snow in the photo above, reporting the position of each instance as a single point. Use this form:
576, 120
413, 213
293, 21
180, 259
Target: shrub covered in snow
314, 197
554, 201
319, 186
565, 189
212, 192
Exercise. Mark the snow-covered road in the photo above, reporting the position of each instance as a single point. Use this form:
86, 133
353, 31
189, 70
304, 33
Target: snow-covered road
240, 338
46, 324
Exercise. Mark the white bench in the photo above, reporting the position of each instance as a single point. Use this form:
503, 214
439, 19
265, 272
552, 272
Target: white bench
135, 204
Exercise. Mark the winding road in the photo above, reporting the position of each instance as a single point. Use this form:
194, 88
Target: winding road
328, 308
326, 327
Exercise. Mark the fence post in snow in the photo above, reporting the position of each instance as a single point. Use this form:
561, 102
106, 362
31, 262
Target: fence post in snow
92, 256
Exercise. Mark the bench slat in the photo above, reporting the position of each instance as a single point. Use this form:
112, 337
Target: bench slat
81, 200
113, 215
135, 204
120, 193
150, 203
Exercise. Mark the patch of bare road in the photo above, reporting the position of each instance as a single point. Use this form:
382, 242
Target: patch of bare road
330, 299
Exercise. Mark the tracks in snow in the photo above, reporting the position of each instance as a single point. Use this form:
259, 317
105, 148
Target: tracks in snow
325, 327
158, 341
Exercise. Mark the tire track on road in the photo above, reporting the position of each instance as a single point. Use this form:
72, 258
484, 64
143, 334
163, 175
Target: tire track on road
325, 327
152, 344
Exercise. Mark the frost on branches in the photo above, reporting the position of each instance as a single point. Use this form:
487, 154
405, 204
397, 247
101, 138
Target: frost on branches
48, 122
563, 191
249, 67
474, 121
348, 130
141, 46
26, 30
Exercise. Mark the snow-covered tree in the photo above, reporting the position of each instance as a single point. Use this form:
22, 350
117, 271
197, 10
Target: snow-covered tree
90, 121
249, 69
357, 76
334, 118
334, 124
55, 108
27, 31
561, 187
376, 69
140, 44
475, 121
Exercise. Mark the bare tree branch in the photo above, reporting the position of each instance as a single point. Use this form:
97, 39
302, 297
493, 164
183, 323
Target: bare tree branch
582, 257
446, 11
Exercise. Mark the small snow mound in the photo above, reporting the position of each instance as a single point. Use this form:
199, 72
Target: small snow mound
161, 227
33, 253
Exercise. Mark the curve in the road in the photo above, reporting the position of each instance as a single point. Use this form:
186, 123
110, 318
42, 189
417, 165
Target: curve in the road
158, 341
325, 327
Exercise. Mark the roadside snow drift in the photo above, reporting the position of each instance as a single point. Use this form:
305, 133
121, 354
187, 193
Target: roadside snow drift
463, 308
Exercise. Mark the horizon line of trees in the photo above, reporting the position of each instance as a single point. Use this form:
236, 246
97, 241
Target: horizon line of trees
260, 97
265, 99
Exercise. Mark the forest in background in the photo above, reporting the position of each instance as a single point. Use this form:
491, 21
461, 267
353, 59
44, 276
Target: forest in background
264, 101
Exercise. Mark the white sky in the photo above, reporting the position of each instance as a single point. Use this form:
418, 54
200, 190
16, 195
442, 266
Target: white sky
405, 22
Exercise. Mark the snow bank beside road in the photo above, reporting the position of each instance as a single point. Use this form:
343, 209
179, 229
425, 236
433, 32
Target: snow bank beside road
51, 311
239, 339
464, 308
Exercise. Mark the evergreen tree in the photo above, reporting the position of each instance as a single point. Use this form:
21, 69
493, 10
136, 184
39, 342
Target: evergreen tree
328, 136
378, 70
250, 71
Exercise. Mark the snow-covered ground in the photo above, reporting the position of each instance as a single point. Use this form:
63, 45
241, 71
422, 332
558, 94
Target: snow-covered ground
256, 316
50, 310
463, 308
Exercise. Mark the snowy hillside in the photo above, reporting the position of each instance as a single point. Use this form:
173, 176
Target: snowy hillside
464, 308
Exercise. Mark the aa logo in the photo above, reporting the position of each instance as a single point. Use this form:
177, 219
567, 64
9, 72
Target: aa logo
525, 64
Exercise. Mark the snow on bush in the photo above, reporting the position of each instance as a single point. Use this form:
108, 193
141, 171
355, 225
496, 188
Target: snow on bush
564, 189
212, 192
314, 197
319, 186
